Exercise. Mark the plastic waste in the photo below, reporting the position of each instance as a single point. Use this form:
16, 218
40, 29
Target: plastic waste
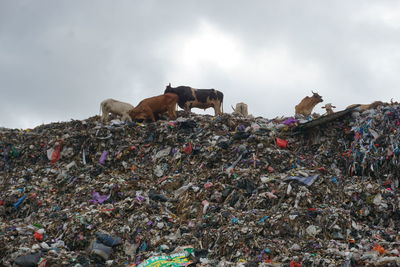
30, 260
103, 157
98, 199
19, 202
304, 180
281, 143
157, 197
101, 250
230, 197
173, 260
108, 240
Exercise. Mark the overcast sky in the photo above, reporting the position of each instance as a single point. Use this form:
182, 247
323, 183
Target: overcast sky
60, 59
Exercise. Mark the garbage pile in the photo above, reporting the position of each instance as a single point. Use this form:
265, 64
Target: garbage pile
202, 191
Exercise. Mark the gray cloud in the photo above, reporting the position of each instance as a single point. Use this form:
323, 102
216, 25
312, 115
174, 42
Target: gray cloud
59, 60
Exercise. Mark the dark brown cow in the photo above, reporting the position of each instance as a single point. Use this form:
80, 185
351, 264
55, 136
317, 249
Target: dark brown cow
197, 98
306, 105
150, 108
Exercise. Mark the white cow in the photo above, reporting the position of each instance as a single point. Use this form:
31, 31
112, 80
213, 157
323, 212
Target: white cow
329, 108
241, 109
115, 107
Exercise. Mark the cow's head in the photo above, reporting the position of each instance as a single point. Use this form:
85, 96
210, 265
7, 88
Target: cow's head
328, 106
317, 97
138, 114
169, 89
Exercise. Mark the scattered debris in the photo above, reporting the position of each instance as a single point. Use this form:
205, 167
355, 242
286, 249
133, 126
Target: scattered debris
203, 190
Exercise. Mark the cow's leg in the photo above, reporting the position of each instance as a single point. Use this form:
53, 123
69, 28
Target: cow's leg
104, 112
153, 118
126, 117
156, 116
150, 114
172, 112
217, 108
105, 116
187, 108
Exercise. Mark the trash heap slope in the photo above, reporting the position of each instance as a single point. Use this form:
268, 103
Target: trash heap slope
221, 185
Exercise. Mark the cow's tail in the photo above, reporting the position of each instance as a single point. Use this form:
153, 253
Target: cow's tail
101, 111
101, 108
222, 102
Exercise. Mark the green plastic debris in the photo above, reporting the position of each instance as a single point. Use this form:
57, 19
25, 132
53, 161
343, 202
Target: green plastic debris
37, 225
173, 260
15, 152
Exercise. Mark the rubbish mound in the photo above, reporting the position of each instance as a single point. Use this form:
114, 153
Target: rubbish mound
203, 191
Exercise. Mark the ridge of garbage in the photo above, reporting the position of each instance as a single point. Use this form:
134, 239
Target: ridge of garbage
236, 191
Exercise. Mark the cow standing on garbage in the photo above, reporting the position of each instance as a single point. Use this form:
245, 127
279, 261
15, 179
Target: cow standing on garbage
197, 98
329, 108
364, 107
115, 107
241, 109
150, 108
306, 105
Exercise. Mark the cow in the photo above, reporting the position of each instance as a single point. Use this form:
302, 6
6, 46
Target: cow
329, 108
197, 98
150, 108
364, 107
115, 107
241, 109
306, 105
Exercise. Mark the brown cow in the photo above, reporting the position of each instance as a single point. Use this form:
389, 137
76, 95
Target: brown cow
364, 107
150, 108
306, 105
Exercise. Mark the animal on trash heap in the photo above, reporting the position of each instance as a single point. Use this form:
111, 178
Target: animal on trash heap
150, 108
306, 105
364, 107
241, 109
115, 107
197, 98
329, 108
